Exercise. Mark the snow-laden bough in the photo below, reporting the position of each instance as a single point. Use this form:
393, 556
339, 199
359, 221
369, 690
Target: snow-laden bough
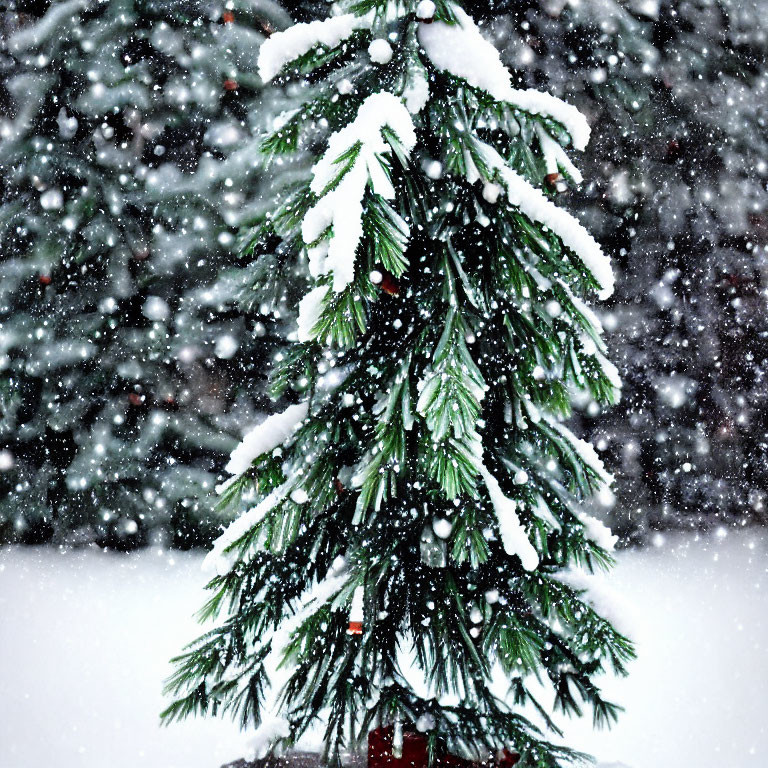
221, 558
462, 51
282, 48
537, 207
338, 214
265, 437
513, 536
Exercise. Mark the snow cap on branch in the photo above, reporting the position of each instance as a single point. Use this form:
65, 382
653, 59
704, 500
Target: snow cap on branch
513, 535
284, 47
462, 51
271, 729
537, 207
310, 602
267, 436
219, 560
310, 309
598, 532
416, 93
584, 450
341, 206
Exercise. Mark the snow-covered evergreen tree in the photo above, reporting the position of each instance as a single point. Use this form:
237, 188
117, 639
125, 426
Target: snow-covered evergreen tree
128, 160
411, 548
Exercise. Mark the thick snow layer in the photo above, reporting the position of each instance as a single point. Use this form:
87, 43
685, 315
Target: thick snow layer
513, 535
284, 47
461, 50
597, 531
310, 311
267, 436
341, 206
537, 207
85, 638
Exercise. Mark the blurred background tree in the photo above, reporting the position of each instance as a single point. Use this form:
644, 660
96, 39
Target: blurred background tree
128, 134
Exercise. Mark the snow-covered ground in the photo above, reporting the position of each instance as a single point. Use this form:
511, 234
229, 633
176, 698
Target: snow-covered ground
85, 638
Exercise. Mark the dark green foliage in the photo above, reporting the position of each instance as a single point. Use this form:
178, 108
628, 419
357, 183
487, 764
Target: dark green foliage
435, 382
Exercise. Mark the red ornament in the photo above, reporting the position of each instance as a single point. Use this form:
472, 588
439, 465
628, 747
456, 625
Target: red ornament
414, 750
230, 85
134, 398
45, 279
356, 612
388, 282
555, 182
673, 149
552, 179
507, 759
228, 17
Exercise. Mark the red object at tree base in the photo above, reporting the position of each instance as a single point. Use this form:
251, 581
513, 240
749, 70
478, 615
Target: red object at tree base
230, 85
45, 280
355, 628
416, 755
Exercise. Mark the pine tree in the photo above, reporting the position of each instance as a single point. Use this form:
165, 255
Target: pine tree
676, 195
127, 154
412, 534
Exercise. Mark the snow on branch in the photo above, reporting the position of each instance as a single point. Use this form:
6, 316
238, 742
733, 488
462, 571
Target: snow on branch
555, 157
513, 535
267, 436
598, 532
537, 207
34, 35
284, 47
315, 598
274, 726
353, 158
219, 560
462, 51
271, 729
310, 310
584, 450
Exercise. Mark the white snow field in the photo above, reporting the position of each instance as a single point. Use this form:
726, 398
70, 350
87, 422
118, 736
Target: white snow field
85, 637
